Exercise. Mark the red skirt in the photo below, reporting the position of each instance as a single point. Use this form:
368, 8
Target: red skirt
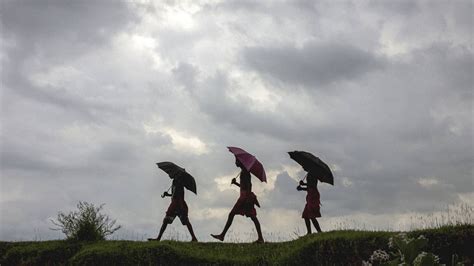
311, 209
178, 207
245, 204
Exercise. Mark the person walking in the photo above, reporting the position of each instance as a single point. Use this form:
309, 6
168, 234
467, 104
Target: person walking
245, 205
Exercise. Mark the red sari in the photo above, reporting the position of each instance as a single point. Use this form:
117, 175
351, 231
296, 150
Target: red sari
245, 205
311, 209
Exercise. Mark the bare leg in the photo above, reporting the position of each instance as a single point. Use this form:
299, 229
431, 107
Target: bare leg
191, 231
259, 230
308, 226
162, 229
221, 237
316, 225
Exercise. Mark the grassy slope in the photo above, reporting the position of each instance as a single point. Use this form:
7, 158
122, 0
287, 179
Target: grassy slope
337, 247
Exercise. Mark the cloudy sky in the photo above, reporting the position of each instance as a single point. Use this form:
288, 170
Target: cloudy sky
94, 93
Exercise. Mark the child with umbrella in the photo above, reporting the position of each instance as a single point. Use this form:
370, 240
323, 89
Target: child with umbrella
312, 208
316, 169
178, 206
247, 200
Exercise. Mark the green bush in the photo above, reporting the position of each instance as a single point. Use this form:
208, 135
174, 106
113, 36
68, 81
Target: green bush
86, 224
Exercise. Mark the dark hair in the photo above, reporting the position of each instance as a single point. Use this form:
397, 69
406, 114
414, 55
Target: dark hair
238, 163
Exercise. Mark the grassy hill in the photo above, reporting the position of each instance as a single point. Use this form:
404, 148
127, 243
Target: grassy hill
336, 247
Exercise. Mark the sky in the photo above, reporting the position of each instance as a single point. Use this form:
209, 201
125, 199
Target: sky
94, 93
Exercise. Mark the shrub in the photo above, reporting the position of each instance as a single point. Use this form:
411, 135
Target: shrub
85, 224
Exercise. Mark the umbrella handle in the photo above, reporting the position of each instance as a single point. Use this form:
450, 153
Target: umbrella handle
304, 177
163, 195
235, 177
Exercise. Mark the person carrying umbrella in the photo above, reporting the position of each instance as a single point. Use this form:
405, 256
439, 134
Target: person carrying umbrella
245, 205
316, 169
312, 208
178, 206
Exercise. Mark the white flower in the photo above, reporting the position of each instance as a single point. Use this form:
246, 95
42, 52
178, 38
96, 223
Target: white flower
391, 244
419, 259
379, 256
402, 235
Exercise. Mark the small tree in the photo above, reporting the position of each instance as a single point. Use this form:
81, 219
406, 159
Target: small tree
85, 224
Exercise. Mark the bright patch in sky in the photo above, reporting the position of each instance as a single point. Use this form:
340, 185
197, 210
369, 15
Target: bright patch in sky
428, 182
181, 141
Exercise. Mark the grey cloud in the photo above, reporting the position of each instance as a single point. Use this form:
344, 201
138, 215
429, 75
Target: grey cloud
385, 122
186, 74
212, 98
277, 9
400, 8
55, 32
375, 195
66, 23
285, 195
313, 65
454, 63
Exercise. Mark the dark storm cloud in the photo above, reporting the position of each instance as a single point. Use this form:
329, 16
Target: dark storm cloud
313, 65
407, 149
55, 32
70, 24
401, 8
212, 96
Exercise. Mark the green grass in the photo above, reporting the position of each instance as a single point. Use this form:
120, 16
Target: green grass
330, 248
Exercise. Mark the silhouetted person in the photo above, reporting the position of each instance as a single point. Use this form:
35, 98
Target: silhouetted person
312, 208
178, 207
244, 205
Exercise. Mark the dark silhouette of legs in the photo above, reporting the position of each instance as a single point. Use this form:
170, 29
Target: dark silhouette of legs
166, 221
259, 230
191, 231
308, 226
221, 237
316, 224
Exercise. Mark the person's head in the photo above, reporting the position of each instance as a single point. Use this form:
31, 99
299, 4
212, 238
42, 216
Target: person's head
238, 163
175, 174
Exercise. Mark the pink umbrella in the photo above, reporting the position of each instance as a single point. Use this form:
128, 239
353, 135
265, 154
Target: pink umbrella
250, 163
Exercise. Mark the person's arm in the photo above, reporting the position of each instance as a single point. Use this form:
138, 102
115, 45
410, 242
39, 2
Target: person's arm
302, 183
299, 188
166, 194
234, 182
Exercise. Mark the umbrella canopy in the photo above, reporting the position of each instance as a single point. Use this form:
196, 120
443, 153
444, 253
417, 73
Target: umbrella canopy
314, 165
249, 162
180, 173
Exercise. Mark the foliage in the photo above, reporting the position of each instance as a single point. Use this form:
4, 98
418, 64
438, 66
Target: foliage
408, 251
85, 224
40, 253
426, 259
329, 248
408, 248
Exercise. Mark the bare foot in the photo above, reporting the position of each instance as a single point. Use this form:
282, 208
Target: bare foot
259, 241
153, 239
218, 237
194, 240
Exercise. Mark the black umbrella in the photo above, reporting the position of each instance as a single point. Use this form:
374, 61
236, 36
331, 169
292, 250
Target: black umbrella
180, 173
314, 165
